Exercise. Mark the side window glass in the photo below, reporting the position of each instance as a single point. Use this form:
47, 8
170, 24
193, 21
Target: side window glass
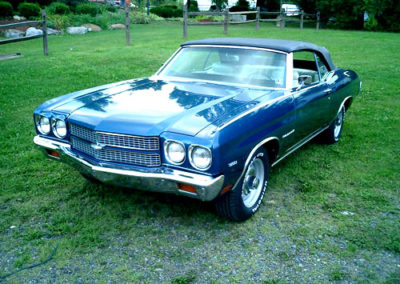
304, 64
323, 70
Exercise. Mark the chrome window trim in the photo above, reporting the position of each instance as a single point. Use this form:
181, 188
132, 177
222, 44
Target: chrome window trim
289, 71
169, 60
235, 46
166, 142
190, 150
182, 79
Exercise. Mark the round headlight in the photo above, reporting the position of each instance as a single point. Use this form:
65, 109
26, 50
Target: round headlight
174, 152
43, 125
200, 157
59, 128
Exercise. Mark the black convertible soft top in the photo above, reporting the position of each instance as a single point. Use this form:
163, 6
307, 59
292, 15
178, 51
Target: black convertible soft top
275, 44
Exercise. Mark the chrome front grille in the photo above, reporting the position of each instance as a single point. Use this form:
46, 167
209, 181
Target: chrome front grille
119, 148
116, 140
83, 132
117, 155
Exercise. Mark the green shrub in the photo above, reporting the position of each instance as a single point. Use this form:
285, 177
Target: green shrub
208, 18
102, 20
29, 10
111, 9
59, 22
72, 3
139, 18
168, 11
155, 18
87, 8
59, 8
6, 10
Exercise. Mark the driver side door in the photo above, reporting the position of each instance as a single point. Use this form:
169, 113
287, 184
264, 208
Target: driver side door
311, 100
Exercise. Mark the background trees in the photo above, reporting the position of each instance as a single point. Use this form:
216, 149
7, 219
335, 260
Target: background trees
380, 15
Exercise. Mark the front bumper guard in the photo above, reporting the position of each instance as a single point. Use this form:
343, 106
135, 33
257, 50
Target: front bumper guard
163, 180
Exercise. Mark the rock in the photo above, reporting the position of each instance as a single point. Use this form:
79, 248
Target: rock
116, 26
19, 18
12, 33
238, 18
53, 31
77, 30
346, 213
33, 32
92, 27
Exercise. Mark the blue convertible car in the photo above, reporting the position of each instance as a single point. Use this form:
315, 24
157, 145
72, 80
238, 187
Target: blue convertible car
208, 125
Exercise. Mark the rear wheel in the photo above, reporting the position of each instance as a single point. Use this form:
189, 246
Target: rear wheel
243, 201
332, 134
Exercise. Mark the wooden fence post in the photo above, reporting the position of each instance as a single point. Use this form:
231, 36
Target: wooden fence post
185, 19
44, 27
281, 20
258, 19
318, 16
226, 18
127, 23
301, 19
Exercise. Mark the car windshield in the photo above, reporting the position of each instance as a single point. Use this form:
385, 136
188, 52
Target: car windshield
229, 65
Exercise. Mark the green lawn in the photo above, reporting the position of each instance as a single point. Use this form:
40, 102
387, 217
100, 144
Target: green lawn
301, 232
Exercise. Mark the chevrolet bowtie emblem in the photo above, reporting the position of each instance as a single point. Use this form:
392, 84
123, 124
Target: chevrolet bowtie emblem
97, 146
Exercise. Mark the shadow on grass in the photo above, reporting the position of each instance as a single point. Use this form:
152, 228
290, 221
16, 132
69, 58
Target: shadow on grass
149, 204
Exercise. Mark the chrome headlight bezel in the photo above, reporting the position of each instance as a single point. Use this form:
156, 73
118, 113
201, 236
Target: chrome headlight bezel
167, 144
40, 124
56, 127
192, 150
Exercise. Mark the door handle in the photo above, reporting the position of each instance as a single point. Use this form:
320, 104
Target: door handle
327, 91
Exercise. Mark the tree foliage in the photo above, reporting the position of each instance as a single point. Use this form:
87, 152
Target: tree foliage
349, 14
220, 4
241, 5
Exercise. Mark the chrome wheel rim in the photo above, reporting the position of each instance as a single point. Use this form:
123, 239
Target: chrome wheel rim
253, 182
338, 125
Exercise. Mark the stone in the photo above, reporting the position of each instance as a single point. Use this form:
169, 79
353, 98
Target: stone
77, 30
116, 26
238, 18
33, 32
92, 27
51, 31
19, 18
12, 33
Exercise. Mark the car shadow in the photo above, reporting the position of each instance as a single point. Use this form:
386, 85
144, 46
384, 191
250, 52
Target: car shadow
149, 204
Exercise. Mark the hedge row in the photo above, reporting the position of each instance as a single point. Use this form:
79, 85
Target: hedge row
167, 11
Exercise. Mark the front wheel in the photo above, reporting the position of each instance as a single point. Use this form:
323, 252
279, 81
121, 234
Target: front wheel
243, 201
332, 134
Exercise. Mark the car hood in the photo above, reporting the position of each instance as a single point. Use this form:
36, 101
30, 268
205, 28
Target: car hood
150, 107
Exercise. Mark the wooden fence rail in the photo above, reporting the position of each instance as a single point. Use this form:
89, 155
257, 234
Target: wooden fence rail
282, 18
43, 22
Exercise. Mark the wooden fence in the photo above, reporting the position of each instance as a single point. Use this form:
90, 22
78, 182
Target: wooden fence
43, 22
281, 17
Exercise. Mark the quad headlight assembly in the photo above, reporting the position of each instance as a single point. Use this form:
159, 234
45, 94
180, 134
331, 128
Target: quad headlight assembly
46, 125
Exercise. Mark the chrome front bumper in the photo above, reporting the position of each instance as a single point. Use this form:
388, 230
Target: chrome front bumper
163, 179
